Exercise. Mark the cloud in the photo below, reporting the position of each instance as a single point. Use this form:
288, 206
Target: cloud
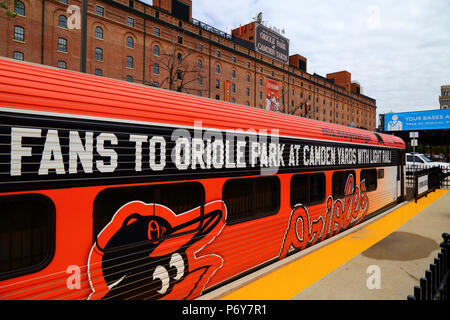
398, 50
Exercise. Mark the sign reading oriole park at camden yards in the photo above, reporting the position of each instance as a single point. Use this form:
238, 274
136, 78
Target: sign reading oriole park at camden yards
58, 151
271, 43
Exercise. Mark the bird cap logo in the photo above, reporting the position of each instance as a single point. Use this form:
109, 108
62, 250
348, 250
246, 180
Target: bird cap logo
147, 251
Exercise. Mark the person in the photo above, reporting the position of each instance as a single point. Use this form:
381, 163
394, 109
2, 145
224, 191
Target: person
395, 124
268, 102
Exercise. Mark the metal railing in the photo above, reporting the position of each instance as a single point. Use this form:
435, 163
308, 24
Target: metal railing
437, 177
435, 284
209, 28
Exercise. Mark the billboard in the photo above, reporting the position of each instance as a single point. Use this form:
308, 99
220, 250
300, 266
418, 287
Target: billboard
271, 43
272, 95
420, 120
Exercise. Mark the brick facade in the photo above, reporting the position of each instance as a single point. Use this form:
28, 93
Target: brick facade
204, 56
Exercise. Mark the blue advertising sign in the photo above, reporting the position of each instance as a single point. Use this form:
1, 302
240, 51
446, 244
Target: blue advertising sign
421, 120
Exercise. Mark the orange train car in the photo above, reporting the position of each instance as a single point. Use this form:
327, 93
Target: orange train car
112, 190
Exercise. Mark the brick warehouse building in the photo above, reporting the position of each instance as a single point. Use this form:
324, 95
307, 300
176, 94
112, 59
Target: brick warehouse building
162, 45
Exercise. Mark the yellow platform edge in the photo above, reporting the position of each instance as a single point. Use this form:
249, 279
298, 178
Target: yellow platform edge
288, 281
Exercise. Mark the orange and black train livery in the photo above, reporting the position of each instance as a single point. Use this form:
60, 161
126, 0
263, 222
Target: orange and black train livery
112, 190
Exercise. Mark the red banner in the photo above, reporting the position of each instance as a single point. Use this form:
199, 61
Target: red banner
227, 89
272, 95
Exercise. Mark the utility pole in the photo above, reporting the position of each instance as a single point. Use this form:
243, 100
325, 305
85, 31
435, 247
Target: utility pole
83, 35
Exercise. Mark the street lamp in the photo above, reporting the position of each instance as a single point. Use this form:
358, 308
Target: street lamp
84, 15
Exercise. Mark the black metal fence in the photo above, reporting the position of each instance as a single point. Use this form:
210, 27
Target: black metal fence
425, 179
435, 284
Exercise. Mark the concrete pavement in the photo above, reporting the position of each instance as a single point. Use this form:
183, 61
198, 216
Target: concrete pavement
401, 260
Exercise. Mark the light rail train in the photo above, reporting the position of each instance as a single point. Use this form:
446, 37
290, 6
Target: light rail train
113, 190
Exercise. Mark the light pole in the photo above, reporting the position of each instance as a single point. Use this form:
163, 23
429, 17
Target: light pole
83, 35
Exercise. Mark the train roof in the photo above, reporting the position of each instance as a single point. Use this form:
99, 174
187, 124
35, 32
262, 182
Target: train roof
26, 86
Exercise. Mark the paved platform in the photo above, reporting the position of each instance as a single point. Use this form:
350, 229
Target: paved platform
381, 259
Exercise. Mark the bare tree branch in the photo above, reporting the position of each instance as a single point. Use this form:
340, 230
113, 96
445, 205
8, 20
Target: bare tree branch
178, 71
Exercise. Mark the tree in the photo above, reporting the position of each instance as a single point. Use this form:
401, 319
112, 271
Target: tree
9, 13
302, 109
179, 72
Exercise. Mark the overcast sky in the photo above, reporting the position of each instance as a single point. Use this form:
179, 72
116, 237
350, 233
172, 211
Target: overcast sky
399, 51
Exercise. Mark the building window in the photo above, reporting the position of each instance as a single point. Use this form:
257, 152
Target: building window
100, 11
217, 69
179, 57
131, 21
19, 33
247, 92
233, 74
307, 189
129, 62
62, 21
157, 31
27, 233
63, 1
249, 199
199, 64
217, 84
19, 8
200, 80
129, 79
62, 44
62, 64
155, 68
218, 53
200, 47
130, 43
156, 51
99, 33
98, 54
18, 55
248, 65
98, 72
233, 58
233, 88
248, 78
180, 40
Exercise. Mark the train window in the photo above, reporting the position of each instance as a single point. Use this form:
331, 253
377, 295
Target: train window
379, 138
27, 234
307, 189
253, 198
370, 176
178, 197
339, 182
